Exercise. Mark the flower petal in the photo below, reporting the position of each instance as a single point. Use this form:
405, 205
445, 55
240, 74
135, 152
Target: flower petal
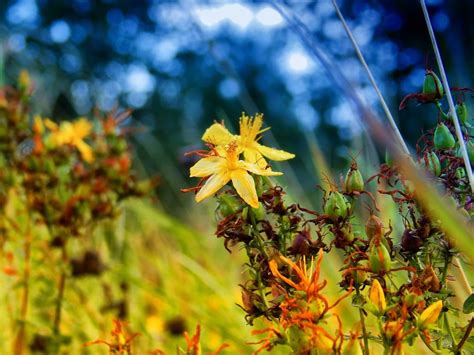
253, 156
52, 126
430, 315
377, 296
253, 168
207, 166
85, 150
82, 128
212, 185
245, 186
217, 134
273, 154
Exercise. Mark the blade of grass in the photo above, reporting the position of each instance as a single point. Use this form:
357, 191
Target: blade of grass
390, 118
319, 163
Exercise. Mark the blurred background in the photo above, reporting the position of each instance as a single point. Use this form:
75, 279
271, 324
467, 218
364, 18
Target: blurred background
180, 65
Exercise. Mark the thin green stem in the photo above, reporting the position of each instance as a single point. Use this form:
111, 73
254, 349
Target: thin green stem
60, 298
20, 339
364, 329
450, 331
465, 336
390, 118
428, 345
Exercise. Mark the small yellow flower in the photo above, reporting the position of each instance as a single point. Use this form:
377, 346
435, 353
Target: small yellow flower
24, 80
224, 167
38, 126
72, 133
250, 130
430, 315
377, 297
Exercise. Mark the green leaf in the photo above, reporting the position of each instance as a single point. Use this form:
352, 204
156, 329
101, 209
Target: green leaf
468, 306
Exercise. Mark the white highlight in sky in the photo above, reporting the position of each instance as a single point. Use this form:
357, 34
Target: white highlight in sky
60, 31
139, 80
298, 61
268, 16
236, 14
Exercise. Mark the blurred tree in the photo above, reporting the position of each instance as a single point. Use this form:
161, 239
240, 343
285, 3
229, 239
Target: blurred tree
180, 65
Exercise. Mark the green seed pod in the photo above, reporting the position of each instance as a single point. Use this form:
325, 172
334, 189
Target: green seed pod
373, 227
432, 163
432, 85
461, 111
379, 258
470, 151
259, 212
443, 138
354, 181
359, 276
228, 205
336, 206
460, 173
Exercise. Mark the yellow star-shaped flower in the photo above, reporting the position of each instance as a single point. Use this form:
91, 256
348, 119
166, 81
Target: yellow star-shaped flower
72, 133
250, 134
225, 166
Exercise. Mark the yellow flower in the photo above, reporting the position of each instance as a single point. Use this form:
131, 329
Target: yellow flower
72, 133
38, 127
250, 130
224, 167
430, 315
377, 297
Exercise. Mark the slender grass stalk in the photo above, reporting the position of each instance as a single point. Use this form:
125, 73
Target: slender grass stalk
452, 109
390, 118
364, 329
60, 298
19, 345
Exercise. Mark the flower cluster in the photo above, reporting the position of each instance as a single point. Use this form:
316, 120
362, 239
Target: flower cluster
58, 181
401, 280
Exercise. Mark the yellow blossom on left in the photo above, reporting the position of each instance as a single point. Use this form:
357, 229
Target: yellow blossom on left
72, 133
225, 167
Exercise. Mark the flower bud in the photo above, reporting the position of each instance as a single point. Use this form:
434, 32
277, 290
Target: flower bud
377, 297
228, 205
388, 159
24, 81
432, 85
336, 206
359, 276
373, 227
410, 242
431, 161
460, 173
461, 111
379, 258
354, 181
430, 315
259, 212
430, 280
443, 138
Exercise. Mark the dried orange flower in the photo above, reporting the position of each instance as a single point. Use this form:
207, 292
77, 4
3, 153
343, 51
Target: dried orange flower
122, 342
